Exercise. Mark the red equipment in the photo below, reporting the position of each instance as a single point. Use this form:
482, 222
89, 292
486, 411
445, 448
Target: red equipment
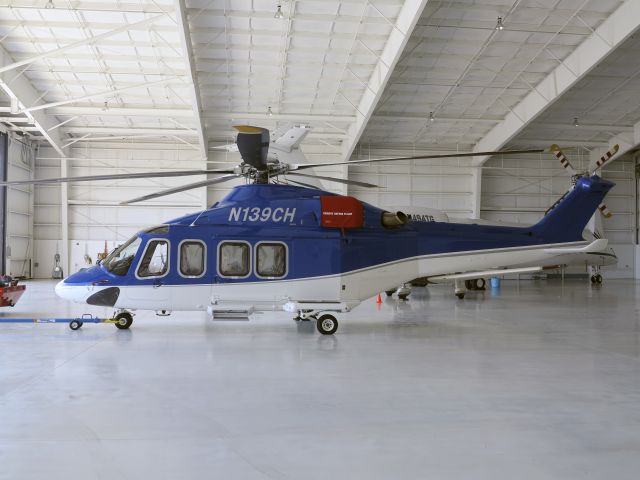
10, 295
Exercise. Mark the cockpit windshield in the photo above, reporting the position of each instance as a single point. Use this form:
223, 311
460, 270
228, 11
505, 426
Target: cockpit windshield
119, 261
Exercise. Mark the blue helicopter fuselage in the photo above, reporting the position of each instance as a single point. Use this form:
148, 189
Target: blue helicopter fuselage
267, 246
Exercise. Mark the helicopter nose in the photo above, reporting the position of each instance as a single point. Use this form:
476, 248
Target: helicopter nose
71, 292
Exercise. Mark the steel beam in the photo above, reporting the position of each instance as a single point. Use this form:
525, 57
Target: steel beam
398, 38
605, 39
25, 94
80, 43
187, 48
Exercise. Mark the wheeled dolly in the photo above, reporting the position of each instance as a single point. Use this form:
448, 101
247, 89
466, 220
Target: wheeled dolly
122, 320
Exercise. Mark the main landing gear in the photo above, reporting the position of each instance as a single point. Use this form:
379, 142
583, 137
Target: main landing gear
123, 320
326, 323
596, 278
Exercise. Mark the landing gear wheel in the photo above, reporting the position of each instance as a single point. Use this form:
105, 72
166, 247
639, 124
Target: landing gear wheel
389, 292
124, 320
593, 279
479, 284
403, 296
599, 279
75, 324
327, 324
460, 295
468, 284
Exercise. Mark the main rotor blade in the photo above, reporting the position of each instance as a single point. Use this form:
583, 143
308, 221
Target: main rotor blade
121, 176
337, 180
182, 188
302, 184
301, 166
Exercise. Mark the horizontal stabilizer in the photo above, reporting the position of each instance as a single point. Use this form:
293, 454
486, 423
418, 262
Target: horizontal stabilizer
595, 246
484, 273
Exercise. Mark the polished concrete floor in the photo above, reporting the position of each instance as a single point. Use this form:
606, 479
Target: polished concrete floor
533, 381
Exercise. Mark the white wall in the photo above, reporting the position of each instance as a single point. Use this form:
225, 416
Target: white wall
444, 185
94, 213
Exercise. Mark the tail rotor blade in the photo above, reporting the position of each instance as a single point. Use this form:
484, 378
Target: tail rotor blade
606, 213
564, 161
605, 158
182, 188
337, 180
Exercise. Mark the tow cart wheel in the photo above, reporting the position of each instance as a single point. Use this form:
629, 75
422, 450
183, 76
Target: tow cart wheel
327, 324
124, 320
460, 295
75, 324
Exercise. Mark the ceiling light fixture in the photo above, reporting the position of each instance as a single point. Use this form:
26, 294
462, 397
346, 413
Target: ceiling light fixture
50, 4
431, 119
279, 13
500, 25
575, 122
269, 112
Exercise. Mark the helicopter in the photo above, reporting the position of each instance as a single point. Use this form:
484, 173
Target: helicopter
270, 245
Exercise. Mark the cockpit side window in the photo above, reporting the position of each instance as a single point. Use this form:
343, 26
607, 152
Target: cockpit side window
119, 261
155, 261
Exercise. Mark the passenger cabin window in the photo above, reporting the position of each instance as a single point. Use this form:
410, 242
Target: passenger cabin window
155, 262
233, 259
271, 260
192, 258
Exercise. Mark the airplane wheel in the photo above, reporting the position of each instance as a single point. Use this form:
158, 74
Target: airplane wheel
468, 284
389, 292
599, 279
479, 284
124, 320
460, 295
327, 324
403, 297
75, 324
593, 279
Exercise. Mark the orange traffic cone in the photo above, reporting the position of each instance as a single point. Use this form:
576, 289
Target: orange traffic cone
379, 299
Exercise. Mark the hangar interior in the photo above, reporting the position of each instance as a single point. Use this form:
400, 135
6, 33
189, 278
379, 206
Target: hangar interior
92, 87
100, 89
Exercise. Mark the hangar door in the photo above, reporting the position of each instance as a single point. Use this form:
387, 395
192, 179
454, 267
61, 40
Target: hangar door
19, 209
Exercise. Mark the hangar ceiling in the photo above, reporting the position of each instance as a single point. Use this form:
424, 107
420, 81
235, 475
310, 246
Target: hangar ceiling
367, 71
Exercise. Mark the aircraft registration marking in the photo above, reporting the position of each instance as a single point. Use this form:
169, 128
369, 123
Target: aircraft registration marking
266, 214
421, 218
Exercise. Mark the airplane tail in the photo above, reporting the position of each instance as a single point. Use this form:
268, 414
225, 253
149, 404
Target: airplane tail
566, 220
